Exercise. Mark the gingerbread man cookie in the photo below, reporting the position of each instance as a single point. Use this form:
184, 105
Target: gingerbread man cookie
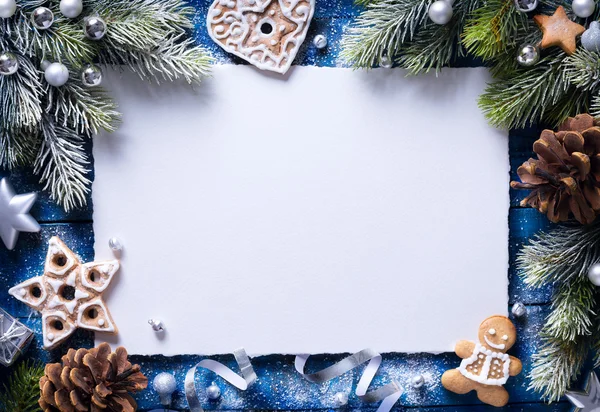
486, 366
68, 294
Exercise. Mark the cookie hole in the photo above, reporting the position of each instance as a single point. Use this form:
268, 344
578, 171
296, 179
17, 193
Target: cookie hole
57, 324
93, 276
67, 292
266, 28
59, 260
92, 313
35, 291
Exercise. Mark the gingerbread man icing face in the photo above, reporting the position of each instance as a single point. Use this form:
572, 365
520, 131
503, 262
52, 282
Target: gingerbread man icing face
497, 333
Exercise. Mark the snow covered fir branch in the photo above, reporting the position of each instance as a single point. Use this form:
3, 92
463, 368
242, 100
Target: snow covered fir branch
52, 55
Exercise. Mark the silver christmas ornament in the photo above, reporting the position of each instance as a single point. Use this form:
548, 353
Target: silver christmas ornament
8, 63
115, 244
156, 324
44, 64
594, 274
14, 214
320, 41
71, 8
213, 392
56, 74
587, 401
94, 28
590, 39
340, 399
583, 8
440, 11
385, 62
519, 310
417, 381
7, 8
528, 55
164, 384
91, 76
42, 18
526, 6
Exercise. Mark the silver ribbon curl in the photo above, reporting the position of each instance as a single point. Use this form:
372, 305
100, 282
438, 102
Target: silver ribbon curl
14, 332
389, 393
241, 382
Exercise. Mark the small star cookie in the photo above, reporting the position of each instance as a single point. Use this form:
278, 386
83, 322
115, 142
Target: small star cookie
559, 31
68, 294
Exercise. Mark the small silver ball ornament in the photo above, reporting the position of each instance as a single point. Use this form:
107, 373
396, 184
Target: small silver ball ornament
417, 381
7, 8
590, 39
8, 64
42, 18
519, 310
56, 74
114, 243
213, 392
528, 55
91, 76
340, 399
156, 324
440, 12
71, 8
164, 384
583, 8
594, 274
525, 6
385, 62
320, 41
94, 28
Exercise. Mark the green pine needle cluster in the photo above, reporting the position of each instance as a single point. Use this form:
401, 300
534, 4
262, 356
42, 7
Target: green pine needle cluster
47, 127
22, 391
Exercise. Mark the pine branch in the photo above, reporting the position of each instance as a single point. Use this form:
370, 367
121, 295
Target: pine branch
17, 149
582, 69
22, 391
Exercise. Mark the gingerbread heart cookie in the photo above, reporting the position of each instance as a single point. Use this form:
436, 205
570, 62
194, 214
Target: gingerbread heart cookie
266, 33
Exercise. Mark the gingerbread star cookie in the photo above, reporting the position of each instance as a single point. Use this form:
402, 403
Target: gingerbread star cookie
559, 31
68, 294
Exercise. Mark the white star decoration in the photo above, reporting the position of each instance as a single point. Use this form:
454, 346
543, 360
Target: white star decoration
68, 294
590, 401
14, 214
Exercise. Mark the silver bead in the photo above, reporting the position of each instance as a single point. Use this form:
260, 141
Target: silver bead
164, 384
156, 324
115, 244
519, 310
94, 28
385, 62
417, 381
71, 8
8, 63
528, 55
583, 8
56, 74
44, 64
590, 39
42, 18
594, 274
440, 12
340, 399
526, 6
320, 41
213, 392
7, 8
91, 76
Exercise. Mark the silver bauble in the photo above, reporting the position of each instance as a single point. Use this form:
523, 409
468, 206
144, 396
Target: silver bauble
320, 41
8, 64
583, 8
340, 398
526, 6
94, 28
71, 8
56, 74
157, 325
519, 310
385, 62
7, 8
91, 76
164, 384
44, 64
590, 39
213, 392
417, 381
440, 12
42, 18
594, 274
528, 55
114, 243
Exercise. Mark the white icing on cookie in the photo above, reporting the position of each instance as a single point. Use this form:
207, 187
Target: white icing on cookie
487, 376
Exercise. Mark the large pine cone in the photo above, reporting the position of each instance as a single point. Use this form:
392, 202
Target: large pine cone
93, 380
565, 178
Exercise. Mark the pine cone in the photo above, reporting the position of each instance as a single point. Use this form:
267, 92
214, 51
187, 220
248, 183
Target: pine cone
93, 380
565, 179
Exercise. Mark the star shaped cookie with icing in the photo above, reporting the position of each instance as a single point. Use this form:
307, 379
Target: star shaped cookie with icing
68, 294
559, 31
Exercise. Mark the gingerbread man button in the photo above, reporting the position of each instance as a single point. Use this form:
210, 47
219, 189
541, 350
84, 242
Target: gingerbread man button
486, 366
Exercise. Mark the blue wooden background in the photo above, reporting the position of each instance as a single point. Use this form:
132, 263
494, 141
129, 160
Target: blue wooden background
279, 386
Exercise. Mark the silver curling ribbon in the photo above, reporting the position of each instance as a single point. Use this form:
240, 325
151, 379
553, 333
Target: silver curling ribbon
389, 393
241, 382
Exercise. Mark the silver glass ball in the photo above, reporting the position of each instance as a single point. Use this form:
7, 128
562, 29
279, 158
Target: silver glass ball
213, 392
340, 399
594, 274
44, 64
56, 74
590, 39
71, 8
320, 41
42, 18
156, 324
519, 310
164, 384
94, 28
526, 6
7, 8
417, 381
583, 8
114, 243
385, 62
528, 55
440, 12
8, 63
